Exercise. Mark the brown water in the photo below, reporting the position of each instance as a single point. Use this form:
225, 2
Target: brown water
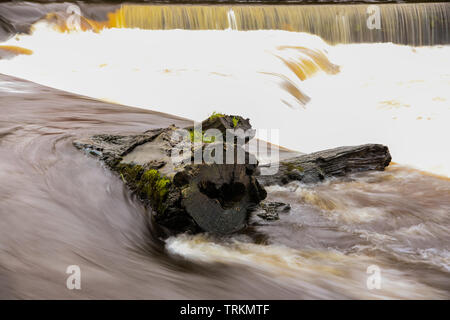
59, 207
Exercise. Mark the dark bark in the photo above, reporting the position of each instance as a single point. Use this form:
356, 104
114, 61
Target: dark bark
337, 162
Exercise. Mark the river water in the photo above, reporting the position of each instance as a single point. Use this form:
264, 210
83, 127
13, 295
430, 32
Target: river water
59, 207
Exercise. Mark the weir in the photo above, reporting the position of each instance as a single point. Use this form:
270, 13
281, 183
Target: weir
416, 24
413, 24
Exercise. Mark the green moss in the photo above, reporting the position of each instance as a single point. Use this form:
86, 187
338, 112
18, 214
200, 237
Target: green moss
147, 183
290, 166
194, 135
215, 115
130, 173
155, 188
197, 136
321, 171
235, 122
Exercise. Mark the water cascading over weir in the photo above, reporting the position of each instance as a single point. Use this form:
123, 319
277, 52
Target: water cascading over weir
416, 24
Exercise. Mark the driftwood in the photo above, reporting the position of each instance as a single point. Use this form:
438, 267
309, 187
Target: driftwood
337, 162
210, 197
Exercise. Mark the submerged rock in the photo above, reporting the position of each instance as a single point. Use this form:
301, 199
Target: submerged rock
270, 210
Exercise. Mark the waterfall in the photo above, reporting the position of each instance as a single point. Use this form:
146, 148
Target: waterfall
413, 24
231, 20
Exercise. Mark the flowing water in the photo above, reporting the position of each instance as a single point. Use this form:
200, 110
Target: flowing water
321, 84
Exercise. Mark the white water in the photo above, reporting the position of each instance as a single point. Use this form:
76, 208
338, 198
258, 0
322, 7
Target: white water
307, 268
385, 93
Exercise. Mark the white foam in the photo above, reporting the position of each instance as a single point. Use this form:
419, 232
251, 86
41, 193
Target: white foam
385, 93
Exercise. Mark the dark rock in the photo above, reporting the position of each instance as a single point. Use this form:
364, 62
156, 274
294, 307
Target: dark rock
270, 210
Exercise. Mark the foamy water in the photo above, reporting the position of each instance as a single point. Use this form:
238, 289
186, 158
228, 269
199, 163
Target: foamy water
384, 93
309, 269
337, 229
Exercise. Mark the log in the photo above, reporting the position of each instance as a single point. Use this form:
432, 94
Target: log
189, 196
186, 196
337, 162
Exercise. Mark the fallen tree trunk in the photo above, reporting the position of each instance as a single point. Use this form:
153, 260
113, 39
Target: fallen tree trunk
216, 197
337, 162
184, 196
